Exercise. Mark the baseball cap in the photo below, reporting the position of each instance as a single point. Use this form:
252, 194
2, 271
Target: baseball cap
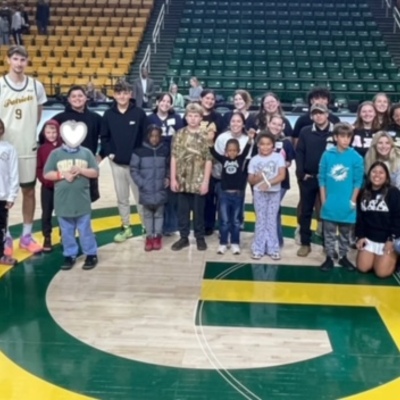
319, 107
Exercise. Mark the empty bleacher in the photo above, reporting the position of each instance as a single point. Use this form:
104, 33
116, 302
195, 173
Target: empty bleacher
88, 40
287, 47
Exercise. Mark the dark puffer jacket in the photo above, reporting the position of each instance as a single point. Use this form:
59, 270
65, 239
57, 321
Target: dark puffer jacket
149, 170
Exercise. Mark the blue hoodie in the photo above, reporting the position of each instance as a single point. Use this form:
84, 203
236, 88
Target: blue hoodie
340, 173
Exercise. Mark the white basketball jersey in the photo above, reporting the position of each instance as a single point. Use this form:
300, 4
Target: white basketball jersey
19, 112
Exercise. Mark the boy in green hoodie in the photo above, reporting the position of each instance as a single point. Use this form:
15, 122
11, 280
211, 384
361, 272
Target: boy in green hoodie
340, 177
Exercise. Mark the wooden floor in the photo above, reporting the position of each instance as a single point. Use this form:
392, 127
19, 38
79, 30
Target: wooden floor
194, 325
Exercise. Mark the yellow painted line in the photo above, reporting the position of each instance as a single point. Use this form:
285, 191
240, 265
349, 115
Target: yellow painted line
383, 298
18, 384
388, 391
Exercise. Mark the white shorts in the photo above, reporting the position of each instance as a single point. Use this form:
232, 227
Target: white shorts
27, 170
374, 247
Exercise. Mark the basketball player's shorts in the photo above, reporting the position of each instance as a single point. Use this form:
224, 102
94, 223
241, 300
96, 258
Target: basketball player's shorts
27, 171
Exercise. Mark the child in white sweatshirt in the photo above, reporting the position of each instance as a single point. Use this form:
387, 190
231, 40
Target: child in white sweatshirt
9, 187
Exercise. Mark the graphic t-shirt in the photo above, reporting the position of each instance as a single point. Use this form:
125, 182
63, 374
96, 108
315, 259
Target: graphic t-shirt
71, 199
269, 166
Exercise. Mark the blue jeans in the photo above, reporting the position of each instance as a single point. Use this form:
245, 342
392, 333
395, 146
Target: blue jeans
171, 213
279, 222
87, 239
230, 209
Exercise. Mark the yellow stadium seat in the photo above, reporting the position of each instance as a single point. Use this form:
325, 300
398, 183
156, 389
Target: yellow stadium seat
103, 21
127, 21
124, 31
140, 21
80, 81
73, 30
68, 3
66, 62
92, 41
103, 71
90, 3
73, 51
108, 63
99, 31
73, 71
59, 51
99, 12
65, 84
53, 40
108, 12
114, 52
85, 11
61, 11
132, 12
119, 71
87, 51
101, 52
65, 40
80, 20
40, 40
79, 40
106, 41
37, 61
60, 71
43, 71
115, 21
91, 21
80, 62
145, 13
45, 51
85, 30
52, 61
119, 42
101, 3
124, 3
29, 70
147, 4
111, 31
74, 11
88, 71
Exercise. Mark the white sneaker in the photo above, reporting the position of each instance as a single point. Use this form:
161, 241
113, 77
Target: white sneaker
297, 238
275, 256
221, 249
235, 249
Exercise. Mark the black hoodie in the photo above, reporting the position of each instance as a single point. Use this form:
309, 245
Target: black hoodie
310, 147
121, 133
92, 121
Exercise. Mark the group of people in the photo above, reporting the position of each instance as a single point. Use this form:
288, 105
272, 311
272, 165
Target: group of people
14, 22
200, 165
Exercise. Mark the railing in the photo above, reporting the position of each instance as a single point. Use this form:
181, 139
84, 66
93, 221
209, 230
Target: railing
388, 5
146, 60
157, 29
396, 16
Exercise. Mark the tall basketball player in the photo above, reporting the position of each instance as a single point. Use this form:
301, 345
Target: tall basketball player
21, 100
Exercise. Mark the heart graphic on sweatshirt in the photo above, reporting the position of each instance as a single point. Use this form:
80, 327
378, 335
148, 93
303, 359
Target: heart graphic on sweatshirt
73, 133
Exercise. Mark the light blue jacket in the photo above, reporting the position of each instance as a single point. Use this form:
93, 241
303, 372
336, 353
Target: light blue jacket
340, 173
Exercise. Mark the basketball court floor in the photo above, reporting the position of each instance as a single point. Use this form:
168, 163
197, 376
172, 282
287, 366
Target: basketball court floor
194, 325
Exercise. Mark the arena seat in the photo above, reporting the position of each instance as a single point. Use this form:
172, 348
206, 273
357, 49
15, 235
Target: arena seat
85, 41
287, 46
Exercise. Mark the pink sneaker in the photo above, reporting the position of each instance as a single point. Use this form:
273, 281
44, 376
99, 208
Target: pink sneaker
28, 243
8, 246
9, 261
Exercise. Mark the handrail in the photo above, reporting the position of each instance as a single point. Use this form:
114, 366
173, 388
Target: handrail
158, 26
396, 16
146, 60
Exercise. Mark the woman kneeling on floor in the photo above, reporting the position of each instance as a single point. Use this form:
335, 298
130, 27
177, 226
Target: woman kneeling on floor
378, 222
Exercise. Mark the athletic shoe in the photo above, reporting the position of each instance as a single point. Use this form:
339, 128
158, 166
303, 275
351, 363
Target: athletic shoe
297, 238
47, 246
209, 231
304, 251
9, 261
235, 249
201, 244
275, 256
8, 246
256, 256
327, 265
90, 262
221, 249
157, 242
69, 262
346, 263
125, 234
148, 245
27, 242
180, 244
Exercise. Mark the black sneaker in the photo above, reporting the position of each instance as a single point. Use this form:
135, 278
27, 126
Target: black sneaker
345, 263
69, 262
327, 265
201, 245
180, 244
90, 262
209, 231
47, 246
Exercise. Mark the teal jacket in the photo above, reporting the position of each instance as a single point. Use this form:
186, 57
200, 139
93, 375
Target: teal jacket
340, 173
